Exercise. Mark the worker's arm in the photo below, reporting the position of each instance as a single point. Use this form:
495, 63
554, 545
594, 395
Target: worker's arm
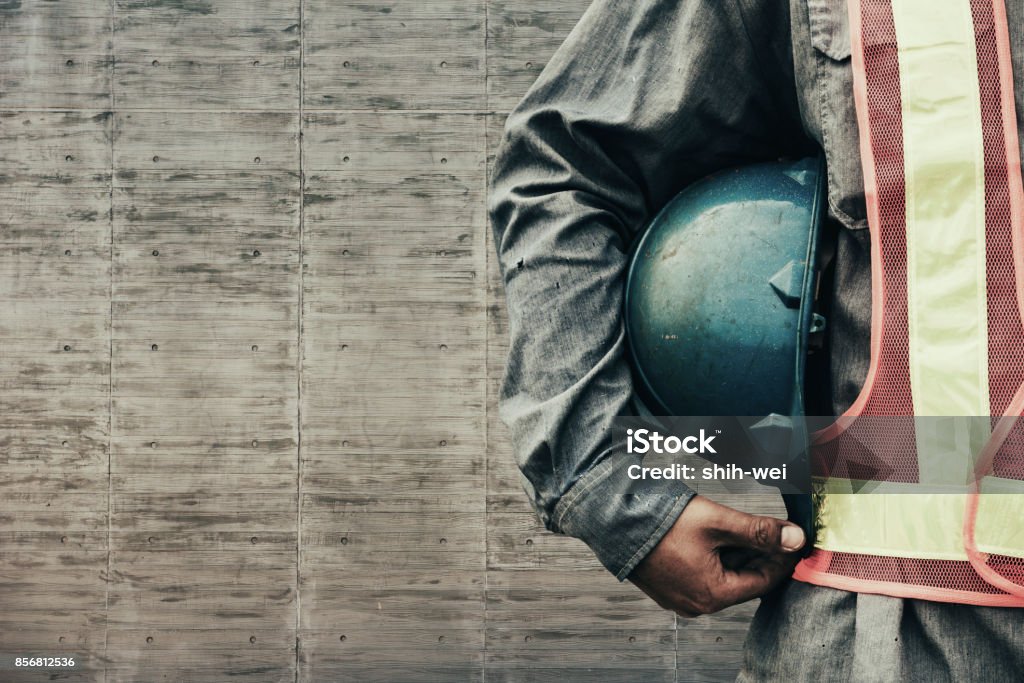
644, 97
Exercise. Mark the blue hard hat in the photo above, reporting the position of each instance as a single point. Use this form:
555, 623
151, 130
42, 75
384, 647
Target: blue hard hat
719, 304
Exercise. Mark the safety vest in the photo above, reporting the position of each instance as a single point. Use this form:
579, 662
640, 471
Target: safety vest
944, 518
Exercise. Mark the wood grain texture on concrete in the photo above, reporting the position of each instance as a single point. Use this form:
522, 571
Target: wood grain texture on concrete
252, 334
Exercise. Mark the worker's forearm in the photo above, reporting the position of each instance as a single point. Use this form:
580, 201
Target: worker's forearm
624, 115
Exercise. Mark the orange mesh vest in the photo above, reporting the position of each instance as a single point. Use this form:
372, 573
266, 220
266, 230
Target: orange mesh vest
920, 484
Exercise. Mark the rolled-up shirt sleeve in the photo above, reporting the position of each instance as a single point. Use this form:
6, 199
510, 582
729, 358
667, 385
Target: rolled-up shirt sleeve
644, 97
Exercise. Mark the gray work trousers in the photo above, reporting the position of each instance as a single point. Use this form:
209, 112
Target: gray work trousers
809, 633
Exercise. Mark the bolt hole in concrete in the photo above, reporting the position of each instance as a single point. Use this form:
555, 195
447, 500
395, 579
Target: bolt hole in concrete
256, 63
67, 252
344, 540
156, 252
64, 444
70, 62
149, 639
440, 639
156, 62
155, 158
252, 639
67, 348
343, 638
154, 347
152, 444
255, 443
63, 539
344, 444
69, 158
256, 252
255, 347
257, 160
345, 159
444, 541
346, 64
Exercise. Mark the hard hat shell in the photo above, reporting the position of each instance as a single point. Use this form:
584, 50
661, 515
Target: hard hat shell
719, 295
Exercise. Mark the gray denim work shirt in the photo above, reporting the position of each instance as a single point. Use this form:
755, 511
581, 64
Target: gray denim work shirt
643, 98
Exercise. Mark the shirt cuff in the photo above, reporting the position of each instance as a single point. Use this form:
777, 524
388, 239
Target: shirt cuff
620, 523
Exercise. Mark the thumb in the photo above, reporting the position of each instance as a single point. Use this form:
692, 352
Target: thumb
766, 534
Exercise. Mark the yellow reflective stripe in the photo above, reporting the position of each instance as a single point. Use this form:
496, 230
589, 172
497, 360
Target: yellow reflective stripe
893, 522
945, 212
947, 448
840, 485
919, 525
946, 291
998, 526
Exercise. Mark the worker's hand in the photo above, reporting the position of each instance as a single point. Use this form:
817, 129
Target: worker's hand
715, 556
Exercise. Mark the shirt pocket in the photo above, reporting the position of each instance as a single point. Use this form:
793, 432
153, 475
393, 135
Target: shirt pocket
829, 26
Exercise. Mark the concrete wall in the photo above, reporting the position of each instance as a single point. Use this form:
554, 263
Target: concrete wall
251, 334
